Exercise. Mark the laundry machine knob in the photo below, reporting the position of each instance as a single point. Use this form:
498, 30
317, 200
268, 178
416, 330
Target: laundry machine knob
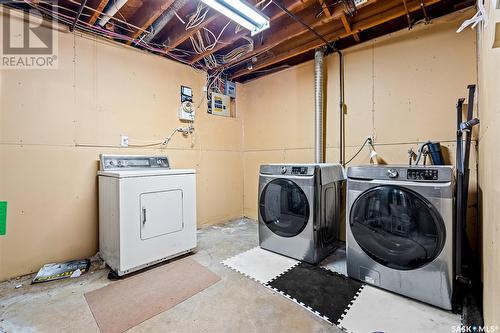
283, 170
392, 173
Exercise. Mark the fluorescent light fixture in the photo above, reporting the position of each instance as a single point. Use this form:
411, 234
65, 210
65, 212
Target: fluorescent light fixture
242, 13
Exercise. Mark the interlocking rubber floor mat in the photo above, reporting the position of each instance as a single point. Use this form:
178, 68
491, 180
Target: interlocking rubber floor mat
327, 292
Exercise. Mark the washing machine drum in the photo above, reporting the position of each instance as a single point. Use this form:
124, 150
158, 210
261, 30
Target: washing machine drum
397, 227
284, 207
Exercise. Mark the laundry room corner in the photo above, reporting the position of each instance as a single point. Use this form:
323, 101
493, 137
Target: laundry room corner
397, 90
58, 122
295, 166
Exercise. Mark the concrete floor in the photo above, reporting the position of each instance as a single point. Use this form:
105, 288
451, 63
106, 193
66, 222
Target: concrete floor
235, 304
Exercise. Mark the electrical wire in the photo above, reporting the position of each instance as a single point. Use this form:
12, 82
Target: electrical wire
368, 140
297, 19
180, 19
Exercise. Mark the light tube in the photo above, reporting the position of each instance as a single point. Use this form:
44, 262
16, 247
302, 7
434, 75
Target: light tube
242, 13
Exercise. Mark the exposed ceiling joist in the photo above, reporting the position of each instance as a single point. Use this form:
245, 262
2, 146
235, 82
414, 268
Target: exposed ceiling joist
326, 11
181, 35
369, 22
347, 27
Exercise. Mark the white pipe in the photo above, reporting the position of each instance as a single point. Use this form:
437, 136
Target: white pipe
319, 148
113, 9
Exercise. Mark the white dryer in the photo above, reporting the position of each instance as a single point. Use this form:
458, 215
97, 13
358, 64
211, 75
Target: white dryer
147, 211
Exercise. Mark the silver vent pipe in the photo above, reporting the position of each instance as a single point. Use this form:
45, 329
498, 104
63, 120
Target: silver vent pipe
319, 78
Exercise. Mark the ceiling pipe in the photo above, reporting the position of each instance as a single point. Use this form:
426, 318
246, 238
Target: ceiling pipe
319, 81
112, 10
163, 20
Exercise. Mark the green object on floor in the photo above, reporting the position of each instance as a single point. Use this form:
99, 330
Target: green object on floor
3, 217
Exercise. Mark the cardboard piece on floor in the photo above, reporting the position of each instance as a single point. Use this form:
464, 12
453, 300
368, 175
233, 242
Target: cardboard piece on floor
259, 264
124, 304
378, 310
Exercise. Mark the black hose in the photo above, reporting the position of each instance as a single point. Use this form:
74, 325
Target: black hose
360, 149
341, 105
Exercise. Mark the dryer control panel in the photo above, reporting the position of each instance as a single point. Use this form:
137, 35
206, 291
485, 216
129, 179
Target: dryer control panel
422, 174
114, 162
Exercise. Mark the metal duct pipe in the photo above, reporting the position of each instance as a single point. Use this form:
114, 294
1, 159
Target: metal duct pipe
319, 144
112, 10
163, 20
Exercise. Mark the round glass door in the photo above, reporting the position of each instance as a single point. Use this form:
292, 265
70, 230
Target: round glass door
284, 207
397, 227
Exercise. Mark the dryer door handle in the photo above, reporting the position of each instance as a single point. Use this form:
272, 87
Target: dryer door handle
143, 215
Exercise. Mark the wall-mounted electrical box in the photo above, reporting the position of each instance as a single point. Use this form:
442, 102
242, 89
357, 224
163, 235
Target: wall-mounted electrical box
187, 111
186, 94
230, 89
220, 104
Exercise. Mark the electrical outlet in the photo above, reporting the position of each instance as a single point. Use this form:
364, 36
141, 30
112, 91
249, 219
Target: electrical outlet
124, 141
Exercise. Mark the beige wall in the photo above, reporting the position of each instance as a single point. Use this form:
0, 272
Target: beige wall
489, 161
55, 123
401, 89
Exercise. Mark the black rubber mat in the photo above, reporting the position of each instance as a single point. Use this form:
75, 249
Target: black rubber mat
325, 292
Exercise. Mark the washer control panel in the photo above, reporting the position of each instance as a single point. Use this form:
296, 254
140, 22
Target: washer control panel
422, 174
113, 162
299, 170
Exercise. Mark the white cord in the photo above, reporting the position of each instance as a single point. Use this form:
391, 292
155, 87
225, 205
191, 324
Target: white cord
175, 13
480, 16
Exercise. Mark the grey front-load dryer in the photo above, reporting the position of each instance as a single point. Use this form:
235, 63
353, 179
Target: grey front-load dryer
399, 224
299, 209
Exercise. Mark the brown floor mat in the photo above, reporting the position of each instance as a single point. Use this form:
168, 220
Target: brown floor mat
124, 304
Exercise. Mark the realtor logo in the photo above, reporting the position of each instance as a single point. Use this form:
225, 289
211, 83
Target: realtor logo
29, 39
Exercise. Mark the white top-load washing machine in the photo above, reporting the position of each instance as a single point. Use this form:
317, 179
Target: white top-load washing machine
299, 209
147, 211
400, 230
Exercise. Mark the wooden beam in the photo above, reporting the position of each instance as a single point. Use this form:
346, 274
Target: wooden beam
326, 11
148, 14
347, 27
366, 23
181, 35
294, 7
98, 11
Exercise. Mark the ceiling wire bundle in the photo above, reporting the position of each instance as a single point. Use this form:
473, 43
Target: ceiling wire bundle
198, 16
212, 61
237, 52
198, 43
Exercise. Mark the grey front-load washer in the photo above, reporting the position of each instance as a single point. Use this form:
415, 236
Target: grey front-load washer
299, 209
399, 224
